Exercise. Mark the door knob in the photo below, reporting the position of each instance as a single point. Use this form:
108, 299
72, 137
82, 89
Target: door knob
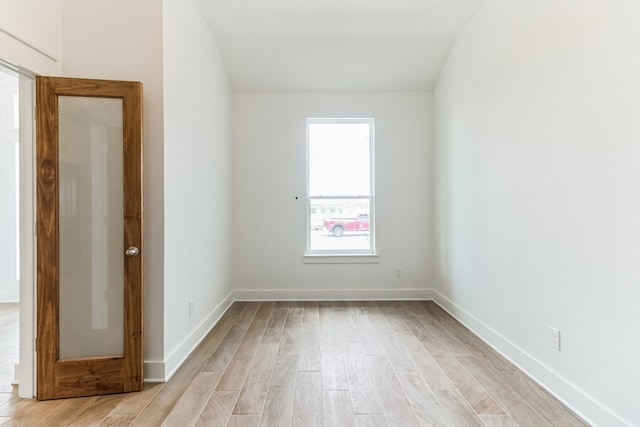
132, 251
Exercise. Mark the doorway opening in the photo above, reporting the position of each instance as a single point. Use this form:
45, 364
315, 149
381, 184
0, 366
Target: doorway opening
9, 227
17, 230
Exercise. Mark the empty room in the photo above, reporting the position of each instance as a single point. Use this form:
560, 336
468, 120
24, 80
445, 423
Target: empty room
344, 213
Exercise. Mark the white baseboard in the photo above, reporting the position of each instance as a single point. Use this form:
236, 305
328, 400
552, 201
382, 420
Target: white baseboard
572, 396
332, 294
16, 374
155, 371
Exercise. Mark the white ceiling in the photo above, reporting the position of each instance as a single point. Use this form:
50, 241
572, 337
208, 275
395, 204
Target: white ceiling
335, 45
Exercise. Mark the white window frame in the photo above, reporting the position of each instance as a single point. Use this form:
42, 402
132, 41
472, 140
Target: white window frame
343, 255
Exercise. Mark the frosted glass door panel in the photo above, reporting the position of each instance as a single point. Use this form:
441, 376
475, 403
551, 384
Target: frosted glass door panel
90, 207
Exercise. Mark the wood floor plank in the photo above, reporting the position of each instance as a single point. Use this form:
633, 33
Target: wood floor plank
193, 400
337, 410
307, 406
244, 421
161, 405
448, 341
367, 334
328, 328
513, 404
278, 317
334, 376
391, 316
552, 410
425, 405
309, 359
5, 397
397, 409
99, 409
275, 326
254, 390
213, 339
278, 406
9, 344
290, 341
223, 354
248, 312
134, 403
435, 377
111, 421
458, 410
29, 412
424, 335
479, 399
311, 312
364, 395
329, 363
479, 347
240, 363
217, 410
371, 421
235, 308
497, 420
346, 332
398, 358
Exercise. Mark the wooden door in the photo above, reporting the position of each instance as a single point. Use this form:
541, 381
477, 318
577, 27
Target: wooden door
89, 237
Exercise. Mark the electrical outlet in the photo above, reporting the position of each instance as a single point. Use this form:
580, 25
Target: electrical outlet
398, 272
190, 307
554, 338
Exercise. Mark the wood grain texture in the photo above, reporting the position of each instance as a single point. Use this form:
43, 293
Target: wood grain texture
496, 420
334, 376
307, 405
458, 410
217, 411
451, 381
98, 375
254, 390
425, 405
364, 395
194, 399
337, 410
240, 363
397, 409
278, 405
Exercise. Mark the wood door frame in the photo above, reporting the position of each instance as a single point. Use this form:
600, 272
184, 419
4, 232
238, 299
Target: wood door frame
106, 374
25, 370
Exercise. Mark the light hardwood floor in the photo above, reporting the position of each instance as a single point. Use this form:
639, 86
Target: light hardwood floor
398, 363
9, 313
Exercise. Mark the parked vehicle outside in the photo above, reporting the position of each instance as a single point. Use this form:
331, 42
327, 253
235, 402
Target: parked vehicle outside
338, 226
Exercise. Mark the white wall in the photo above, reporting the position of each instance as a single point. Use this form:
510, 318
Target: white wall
269, 160
537, 184
9, 284
122, 40
30, 34
9, 287
197, 181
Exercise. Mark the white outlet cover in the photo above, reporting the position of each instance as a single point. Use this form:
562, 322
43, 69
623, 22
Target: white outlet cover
554, 338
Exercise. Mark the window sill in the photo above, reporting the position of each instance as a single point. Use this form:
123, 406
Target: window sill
341, 258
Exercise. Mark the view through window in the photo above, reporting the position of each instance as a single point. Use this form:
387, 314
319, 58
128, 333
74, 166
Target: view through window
340, 192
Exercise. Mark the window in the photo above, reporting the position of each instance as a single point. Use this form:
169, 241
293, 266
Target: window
340, 190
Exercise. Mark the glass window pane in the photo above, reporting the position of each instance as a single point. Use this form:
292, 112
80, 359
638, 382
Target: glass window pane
339, 159
339, 225
91, 224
